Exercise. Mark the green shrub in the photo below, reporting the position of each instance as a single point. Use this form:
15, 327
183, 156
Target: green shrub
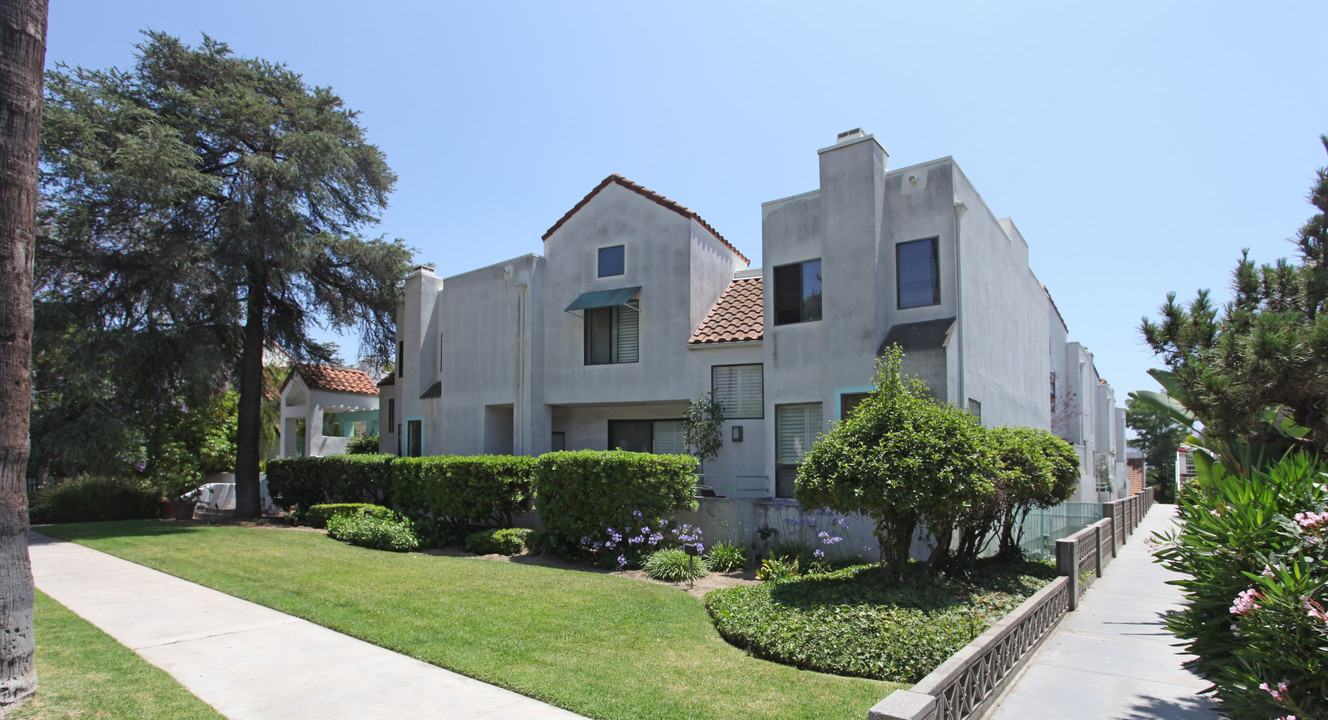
778, 568
674, 565
498, 541
789, 550
856, 622
464, 491
318, 515
363, 445
305, 482
724, 558
581, 494
1256, 587
373, 531
90, 499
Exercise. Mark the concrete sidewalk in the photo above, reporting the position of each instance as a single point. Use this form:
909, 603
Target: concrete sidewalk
1112, 658
248, 661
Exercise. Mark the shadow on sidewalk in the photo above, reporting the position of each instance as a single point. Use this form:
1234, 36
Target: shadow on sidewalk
1197, 708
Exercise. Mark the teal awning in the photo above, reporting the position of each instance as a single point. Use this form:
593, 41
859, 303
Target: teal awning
603, 298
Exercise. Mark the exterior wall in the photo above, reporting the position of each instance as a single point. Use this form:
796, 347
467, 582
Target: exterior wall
417, 332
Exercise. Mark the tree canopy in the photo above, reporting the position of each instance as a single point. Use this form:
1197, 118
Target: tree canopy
1265, 350
1157, 436
900, 458
198, 206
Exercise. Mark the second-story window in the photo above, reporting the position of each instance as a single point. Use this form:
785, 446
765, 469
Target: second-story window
798, 292
611, 261
612, 334
918, 273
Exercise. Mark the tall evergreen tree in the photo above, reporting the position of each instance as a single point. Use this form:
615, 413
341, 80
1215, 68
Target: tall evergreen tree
1266, 349
201, 204
22, 55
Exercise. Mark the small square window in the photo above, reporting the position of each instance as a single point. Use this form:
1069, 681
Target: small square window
611, 261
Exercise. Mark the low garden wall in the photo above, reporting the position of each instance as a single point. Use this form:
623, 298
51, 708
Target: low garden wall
966, 685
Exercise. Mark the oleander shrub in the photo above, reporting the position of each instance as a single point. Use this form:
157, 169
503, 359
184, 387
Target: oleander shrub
862, 622
1254, 548
318, 515
724, 558
91, 499
674, 565
587, 496
498, 541
308, 481
373, 530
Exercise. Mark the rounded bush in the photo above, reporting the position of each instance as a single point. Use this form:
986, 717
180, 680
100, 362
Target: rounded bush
374, 532
674, 565
498, 541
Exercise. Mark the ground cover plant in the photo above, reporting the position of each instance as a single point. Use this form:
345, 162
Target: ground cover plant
600, 645
87, 674
374, 530
864, 621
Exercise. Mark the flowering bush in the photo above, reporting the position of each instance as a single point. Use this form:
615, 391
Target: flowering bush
812, 536
1256, 549
623, 547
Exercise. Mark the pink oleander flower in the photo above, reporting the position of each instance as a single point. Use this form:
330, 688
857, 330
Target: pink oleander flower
1312, 521
1315, 610
1278, 693
1267, 571
1244, 602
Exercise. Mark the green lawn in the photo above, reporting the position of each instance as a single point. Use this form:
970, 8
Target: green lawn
84, 673
599, 645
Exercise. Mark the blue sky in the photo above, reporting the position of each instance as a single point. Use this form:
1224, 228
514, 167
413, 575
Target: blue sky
1139, 146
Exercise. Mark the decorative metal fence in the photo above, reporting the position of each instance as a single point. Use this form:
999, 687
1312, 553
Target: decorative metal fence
1043, 527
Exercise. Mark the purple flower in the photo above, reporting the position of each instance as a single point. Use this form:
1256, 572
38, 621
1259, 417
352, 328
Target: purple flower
622, 561
818, 553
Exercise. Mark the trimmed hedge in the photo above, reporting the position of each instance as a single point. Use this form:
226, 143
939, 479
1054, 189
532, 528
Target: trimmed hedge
305, 482
319, 515
498, 541
469, 490
374, 530
90, 499
583, 492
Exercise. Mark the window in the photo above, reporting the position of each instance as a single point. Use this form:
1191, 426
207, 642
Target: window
796, 429
848, 402
740, 389
611, 261
612, 334
558, 442
391, 413
975, 408
662, 437
413, 428
401, 356
918, 273
1053, 392
798, 292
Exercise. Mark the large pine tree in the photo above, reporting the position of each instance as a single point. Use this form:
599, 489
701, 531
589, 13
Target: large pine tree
206, 203
22, 55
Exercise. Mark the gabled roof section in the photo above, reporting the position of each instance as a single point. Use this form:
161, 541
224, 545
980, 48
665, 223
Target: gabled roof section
335, 379
738, 315
649, 194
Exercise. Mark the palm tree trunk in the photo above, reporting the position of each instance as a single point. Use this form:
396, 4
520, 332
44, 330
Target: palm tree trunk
22, 58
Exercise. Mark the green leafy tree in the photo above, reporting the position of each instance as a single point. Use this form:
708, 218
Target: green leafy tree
1034, 468
210, 202
1265, 350
702, 427
901, 459
1157, 436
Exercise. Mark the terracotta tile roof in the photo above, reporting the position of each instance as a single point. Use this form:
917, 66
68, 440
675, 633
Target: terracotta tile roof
739, 314
649, 194
335, 379
388, 381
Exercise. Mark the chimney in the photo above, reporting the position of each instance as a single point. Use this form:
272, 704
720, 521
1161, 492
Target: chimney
848, 135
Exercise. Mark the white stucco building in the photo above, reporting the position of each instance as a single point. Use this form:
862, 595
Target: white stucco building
637, 306
323, 408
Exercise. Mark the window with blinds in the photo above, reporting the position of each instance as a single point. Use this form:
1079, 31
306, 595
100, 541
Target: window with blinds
740, 390
613, 334
796, 429
918, 274
662, 437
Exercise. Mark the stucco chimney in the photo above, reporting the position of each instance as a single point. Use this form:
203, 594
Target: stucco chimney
848, 135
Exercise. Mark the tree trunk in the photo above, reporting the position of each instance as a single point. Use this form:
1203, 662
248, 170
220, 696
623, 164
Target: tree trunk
248, 503
22, 58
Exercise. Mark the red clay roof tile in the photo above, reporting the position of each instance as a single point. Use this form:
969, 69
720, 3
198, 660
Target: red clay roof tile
647, 193
335, 379
739, 314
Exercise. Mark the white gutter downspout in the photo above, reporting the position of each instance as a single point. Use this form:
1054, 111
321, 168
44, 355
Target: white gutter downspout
959, 209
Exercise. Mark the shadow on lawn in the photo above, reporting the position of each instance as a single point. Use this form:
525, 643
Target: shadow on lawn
117, 529
916, 589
